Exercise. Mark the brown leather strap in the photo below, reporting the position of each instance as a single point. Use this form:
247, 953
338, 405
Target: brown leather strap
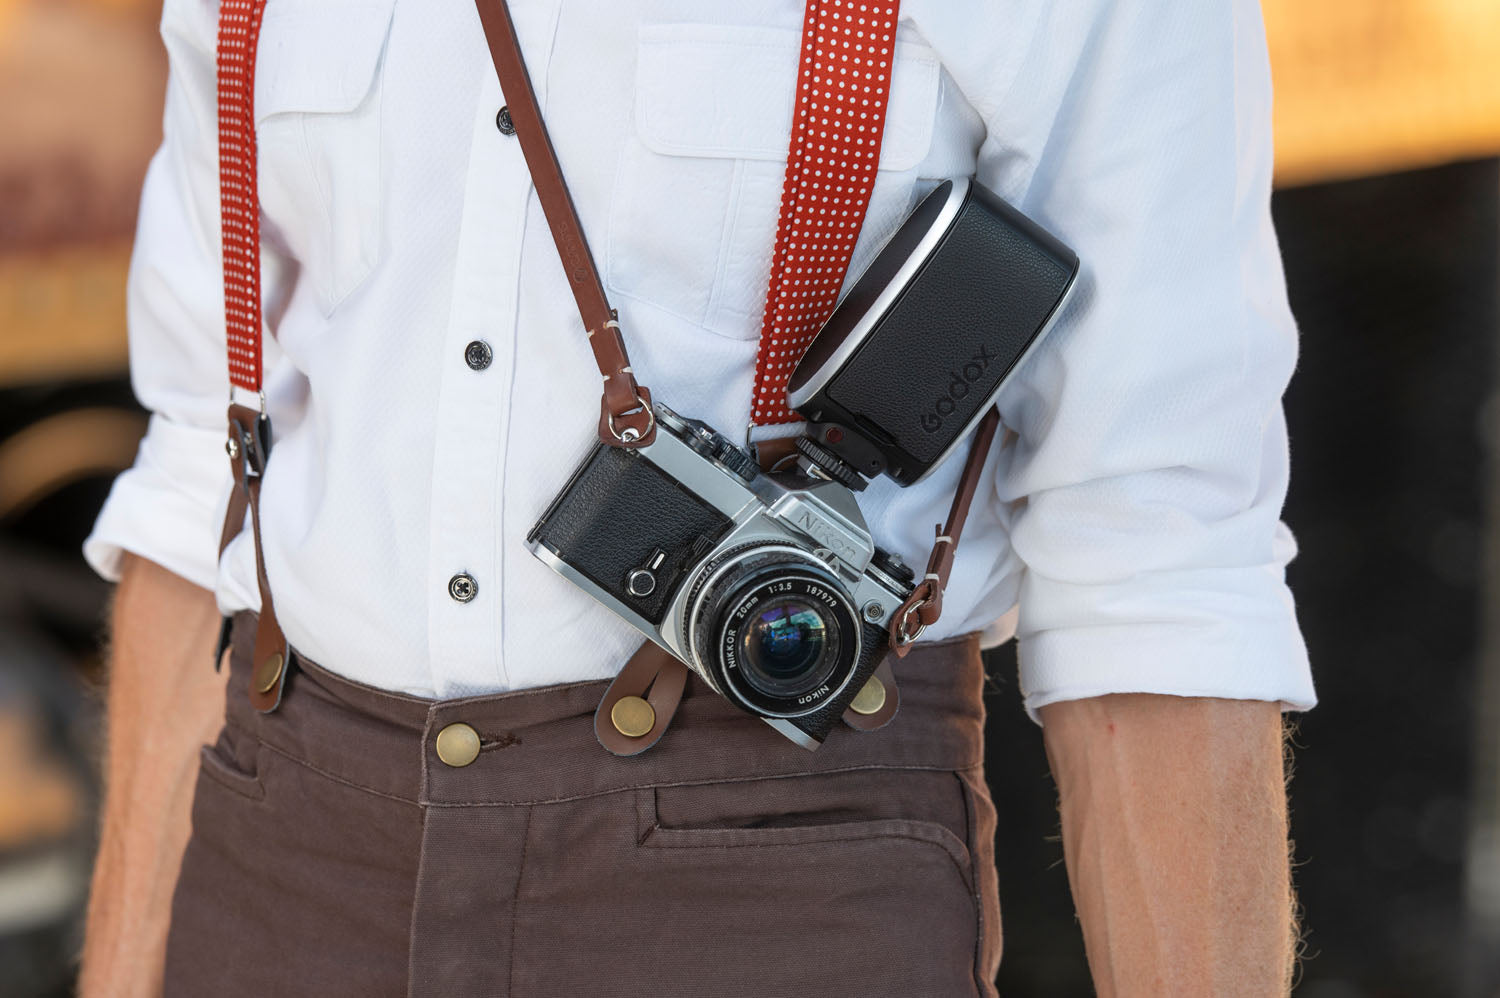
234, 522
626, 419
653, 675
926, 601
774, 453
234, 515
248, 446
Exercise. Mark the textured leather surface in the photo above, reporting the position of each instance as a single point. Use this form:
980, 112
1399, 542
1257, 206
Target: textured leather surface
615, 511
873, 647
866, 290
962, 323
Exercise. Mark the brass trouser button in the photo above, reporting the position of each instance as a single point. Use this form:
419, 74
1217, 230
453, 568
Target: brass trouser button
268, 672
632, 717
458, 745
870, 699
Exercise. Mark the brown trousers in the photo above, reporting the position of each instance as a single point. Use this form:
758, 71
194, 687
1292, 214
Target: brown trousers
334, 854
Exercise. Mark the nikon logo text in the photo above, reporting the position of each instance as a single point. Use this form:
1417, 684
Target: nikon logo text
824, 533
816, 694
960, 384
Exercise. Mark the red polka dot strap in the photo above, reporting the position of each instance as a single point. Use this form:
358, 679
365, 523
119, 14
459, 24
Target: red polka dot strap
239, 31
843, 86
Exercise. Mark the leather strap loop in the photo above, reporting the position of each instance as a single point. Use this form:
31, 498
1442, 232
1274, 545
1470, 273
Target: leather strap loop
923, 607
654, 675
628, 428
622, 402
234, 522
249, 448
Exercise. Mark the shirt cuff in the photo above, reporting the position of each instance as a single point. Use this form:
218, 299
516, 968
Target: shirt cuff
166, 507
1234, 652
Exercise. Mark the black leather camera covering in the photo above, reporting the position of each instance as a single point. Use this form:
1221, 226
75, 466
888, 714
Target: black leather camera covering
615, 511
925, 372
874, 643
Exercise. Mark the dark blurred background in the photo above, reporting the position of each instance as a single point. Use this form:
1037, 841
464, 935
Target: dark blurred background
1388, 209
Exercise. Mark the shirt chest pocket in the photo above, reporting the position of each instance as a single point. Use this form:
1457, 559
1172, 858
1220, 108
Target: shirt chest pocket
693, 213
318, 130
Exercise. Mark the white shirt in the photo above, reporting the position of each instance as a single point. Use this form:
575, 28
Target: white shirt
1133, 517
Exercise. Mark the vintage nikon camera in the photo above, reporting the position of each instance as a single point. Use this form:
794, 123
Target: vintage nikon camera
769, 585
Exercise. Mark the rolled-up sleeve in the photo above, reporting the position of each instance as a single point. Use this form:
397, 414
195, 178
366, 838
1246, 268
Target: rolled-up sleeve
1150, 466
164, 508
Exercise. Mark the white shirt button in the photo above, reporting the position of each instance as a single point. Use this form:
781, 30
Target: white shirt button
462, 587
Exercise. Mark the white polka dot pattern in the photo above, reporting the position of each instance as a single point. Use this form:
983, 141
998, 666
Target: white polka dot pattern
239, 201
843, 85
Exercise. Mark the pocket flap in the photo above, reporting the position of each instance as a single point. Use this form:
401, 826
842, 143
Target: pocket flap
319, 56
726, 92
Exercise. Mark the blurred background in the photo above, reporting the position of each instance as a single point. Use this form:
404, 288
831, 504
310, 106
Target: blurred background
1388, 208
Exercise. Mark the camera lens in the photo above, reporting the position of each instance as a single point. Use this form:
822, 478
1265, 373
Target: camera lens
785, 645
774, 631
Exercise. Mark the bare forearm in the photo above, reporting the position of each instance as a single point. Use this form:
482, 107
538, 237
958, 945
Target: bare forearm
1175, 835
164, 701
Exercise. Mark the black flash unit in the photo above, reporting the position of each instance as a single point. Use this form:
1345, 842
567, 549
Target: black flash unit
921, 346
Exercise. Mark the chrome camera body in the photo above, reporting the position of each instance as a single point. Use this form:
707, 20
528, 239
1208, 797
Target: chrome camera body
768, 586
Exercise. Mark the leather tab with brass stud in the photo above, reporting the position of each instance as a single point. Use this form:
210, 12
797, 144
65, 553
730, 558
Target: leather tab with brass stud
870, 698
458, 745
268, 672
632, 717
637, 708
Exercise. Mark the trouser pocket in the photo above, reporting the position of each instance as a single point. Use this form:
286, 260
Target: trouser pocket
853, 883
292, 883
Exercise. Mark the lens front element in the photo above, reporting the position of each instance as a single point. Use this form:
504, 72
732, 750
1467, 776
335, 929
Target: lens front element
788, 647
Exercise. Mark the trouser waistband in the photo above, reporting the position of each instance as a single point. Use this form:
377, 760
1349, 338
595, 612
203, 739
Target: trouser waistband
538, 746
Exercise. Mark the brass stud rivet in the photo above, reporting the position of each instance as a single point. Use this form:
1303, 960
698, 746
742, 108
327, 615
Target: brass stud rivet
870, 699
458, 745
268, 672
632, 717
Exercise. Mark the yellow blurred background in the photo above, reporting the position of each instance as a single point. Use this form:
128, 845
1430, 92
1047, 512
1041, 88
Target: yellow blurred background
1375, 86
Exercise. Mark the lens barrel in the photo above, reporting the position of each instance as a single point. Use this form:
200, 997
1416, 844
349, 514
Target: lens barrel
775, 631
